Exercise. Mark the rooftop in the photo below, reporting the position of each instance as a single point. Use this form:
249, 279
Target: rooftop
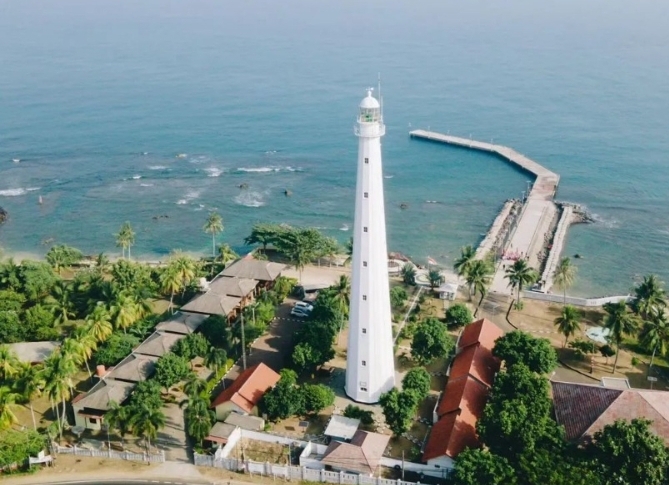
158, 343
342, 427
476, 361
220, 432
253, 423
482, 332
211, 303
465, 392
584, 409
363, 454
34, 352
248, 388
182, 322
102, 393
135, 368
254, 269
232, 286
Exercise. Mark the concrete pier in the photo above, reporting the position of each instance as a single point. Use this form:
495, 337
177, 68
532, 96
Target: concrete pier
533, 230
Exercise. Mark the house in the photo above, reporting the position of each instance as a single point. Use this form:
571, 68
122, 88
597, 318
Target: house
470, 377
362, 455
34, 352
210, 303
584, 409
158, 343
341, 428
89, 408
252, 423
134, 368
220, 432
244, 394
265, 272
182, 322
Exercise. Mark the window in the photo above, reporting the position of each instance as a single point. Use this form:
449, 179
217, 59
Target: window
364, 263
93, 420
364, 330
366, 195
364, 389
366, 160
364, 297
364, 229
363, 386
364, 362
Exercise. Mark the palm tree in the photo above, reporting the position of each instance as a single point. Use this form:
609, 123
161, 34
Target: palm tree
8, 400
409, 274
80, 347
125, 238
118, 418
568, 323
564, 276
349, 251
620, 322
655, 334
170, 282
213, 226
184, 265
199, 418
226, 254
649, 294
124, 311
215, 358
31, 382
194, 385
464, 262
58, 371
520, 274
479, 278
435, 278
99, 323
56, 258
61, 303
341, 293
102, 263
145, 422
9, 363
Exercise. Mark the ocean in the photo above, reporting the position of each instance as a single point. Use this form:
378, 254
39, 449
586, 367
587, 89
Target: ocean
155, 112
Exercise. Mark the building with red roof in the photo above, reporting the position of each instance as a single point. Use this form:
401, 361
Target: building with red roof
245, 393
471, 374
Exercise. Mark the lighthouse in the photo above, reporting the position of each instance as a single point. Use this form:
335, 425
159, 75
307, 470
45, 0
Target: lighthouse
370, 365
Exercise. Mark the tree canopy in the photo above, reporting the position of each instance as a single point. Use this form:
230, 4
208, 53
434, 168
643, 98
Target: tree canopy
522, 348
431, 341
458, 315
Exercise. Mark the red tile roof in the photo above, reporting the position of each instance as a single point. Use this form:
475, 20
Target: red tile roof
248, 388
471, 375
584, 409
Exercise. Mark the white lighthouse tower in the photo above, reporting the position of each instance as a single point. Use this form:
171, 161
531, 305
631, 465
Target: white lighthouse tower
370, 365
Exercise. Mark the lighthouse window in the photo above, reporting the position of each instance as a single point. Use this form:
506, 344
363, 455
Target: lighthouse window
364, 297
364, 229
364, 263
364, 330
364, 362
363, 389
366, 160
366, 194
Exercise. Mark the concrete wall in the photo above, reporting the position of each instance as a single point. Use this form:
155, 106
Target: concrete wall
584, 302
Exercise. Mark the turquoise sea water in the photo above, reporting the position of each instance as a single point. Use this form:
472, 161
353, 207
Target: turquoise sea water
97, 99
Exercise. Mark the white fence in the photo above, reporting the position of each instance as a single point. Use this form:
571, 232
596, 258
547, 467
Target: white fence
118, 455
585, 302
293, 472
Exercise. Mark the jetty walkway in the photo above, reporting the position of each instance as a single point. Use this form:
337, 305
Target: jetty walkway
534, 226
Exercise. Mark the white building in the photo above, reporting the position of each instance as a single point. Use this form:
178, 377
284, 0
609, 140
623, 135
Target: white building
370, 365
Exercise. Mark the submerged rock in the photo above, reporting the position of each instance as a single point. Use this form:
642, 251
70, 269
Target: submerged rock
404, 205
287, 193
3, 215
244, 186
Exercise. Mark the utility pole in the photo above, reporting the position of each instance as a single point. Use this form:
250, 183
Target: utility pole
243, 345
402, 465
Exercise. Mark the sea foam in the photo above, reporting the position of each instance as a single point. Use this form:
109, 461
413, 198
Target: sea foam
250, 199
17, 192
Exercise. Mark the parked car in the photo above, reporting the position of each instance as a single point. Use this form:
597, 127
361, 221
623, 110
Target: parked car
299, 313
303, 306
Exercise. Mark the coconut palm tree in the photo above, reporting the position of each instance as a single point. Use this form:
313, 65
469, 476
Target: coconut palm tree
435, 279
80, 347
8, 400
520, 274
465, 260
620, 322
31, 383
199, 418
125, 238
123, 311
349, 251
213, 226
564, 276
99, 323
649, 295
215, 358
170, 283
655, 334
145, 422
118, 417
58, 371
9, 363
568, 322
102, 263
409, 274
184, 265
226, 254
479, 278
341, 294
194, 385
61, 302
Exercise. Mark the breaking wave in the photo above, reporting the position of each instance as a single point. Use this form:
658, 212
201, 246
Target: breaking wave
17, 192
250, 199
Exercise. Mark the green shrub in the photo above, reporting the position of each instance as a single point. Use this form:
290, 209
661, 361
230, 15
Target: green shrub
458, 316
355, 412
